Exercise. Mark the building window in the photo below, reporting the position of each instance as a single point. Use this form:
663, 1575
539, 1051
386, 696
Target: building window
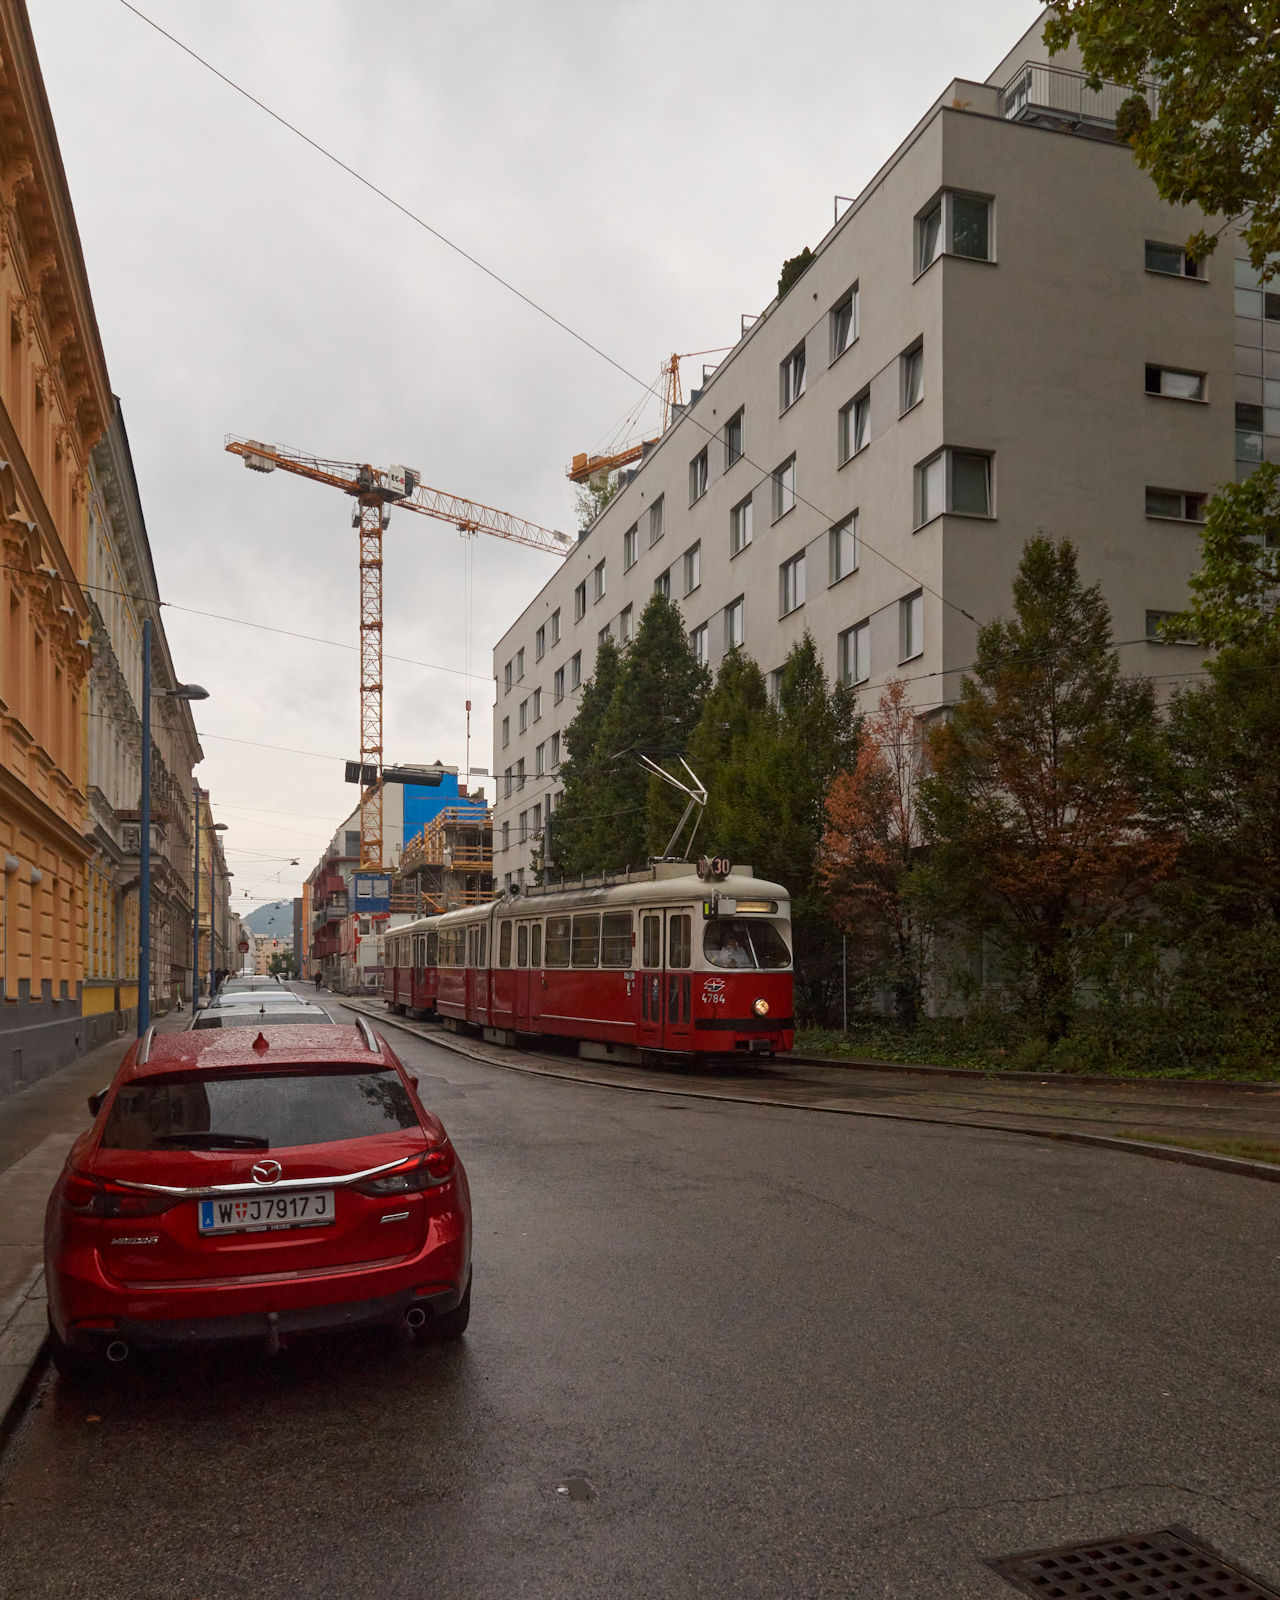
911, 626
1178, 505
520, 773
557, 685
791, 378
692, 561
773, 685
911, 374
1172, 260
1175, 384
844, 323
535, 818
1249, 422
698, 476
854, 431
540, 643
734, 624
791, 585
605, 633
954, 225
597, 583
1155, 623
507, 781
555, 761
506, 835
524, 829
740, 526
656, 529
555, 626
854, 654
575, 670
506, 678
519, 666
506, 732
537, 704
843, 548
524, 715
662, 584
580, 601
958, 481
540, 760
700, 644
625, 625
629, 543
784, 488
733, 437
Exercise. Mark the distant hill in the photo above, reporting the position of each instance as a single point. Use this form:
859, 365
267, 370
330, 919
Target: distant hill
275, 920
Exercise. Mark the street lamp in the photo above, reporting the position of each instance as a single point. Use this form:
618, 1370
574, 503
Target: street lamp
183, 691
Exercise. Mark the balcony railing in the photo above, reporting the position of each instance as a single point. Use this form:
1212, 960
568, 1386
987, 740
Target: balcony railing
1059, 98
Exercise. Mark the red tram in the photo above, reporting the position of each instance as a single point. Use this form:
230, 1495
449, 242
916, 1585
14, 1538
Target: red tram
654, 961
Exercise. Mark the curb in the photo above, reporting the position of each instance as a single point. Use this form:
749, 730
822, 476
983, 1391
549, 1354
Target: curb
1265, 1171
996, 1075
23, 1351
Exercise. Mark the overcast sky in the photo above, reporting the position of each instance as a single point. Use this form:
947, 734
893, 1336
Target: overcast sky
640, 169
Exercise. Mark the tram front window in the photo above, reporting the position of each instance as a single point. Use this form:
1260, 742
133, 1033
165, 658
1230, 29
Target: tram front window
733, 942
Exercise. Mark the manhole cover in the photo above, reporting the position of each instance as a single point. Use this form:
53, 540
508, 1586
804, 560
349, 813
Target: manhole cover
1169, 1562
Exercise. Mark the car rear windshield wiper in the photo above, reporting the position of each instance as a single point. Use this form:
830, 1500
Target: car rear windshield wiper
214, 1141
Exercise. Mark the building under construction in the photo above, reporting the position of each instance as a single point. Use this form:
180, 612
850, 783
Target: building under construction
449, 864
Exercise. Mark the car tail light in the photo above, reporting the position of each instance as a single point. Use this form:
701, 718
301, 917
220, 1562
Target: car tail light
94, 1197
413, 1176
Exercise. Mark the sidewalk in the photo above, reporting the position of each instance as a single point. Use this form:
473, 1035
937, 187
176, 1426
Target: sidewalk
37, 1127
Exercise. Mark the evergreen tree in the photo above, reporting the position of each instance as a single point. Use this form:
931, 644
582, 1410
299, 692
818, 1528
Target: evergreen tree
1233, 594
1031, 811
572, 843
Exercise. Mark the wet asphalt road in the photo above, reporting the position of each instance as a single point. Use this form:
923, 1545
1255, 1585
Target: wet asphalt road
794, 1356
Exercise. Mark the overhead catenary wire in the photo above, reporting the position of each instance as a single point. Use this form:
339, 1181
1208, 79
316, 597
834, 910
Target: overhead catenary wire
511, 288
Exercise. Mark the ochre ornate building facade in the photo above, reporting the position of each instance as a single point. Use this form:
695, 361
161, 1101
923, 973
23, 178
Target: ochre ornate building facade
55, 401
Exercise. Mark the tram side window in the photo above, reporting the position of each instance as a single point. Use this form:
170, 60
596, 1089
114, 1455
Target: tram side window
557, 941
483, 942
535, 945
586, 940
451, 947
504, 945
651, 941
615, 939
433, 949
522, 945
680, 939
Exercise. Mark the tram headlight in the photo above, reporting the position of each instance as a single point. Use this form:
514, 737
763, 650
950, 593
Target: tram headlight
760, 1007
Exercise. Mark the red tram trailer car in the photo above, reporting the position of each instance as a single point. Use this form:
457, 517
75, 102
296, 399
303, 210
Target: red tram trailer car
650, 961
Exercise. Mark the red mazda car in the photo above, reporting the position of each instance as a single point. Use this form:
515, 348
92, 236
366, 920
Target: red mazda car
255, 1185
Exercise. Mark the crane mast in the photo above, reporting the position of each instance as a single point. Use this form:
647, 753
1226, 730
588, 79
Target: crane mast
375, 490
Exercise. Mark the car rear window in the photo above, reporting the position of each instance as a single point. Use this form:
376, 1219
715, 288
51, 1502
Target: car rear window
262, 1111
247, 1017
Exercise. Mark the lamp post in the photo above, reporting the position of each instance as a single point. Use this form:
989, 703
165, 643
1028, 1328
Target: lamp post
183, 691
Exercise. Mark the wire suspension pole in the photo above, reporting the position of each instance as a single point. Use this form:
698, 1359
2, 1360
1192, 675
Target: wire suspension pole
372, 508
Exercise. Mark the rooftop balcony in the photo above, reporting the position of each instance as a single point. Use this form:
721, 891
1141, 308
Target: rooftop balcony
1055, 97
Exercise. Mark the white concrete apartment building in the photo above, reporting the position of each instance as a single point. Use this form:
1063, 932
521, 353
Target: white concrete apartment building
1001, 335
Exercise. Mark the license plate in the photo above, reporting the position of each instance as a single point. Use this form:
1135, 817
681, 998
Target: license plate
262, 1213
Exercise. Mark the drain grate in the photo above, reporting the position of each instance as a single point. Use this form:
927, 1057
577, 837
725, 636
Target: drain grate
1170, 1563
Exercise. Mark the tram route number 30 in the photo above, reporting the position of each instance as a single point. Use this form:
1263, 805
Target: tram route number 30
714, 869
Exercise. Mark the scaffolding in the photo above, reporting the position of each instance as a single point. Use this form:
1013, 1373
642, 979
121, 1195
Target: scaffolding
448, 865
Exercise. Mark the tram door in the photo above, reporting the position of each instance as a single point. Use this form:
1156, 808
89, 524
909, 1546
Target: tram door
666, 981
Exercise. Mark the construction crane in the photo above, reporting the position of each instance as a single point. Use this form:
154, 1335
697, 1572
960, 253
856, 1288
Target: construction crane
585, 468
375, 491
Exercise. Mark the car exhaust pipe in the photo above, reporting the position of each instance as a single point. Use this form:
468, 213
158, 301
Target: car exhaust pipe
415, 1316
117, 1351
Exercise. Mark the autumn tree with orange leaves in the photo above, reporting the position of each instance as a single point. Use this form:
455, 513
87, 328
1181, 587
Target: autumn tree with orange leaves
868, 850
1035, 835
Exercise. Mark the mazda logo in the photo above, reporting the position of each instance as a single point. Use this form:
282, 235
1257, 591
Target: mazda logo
266, 1171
